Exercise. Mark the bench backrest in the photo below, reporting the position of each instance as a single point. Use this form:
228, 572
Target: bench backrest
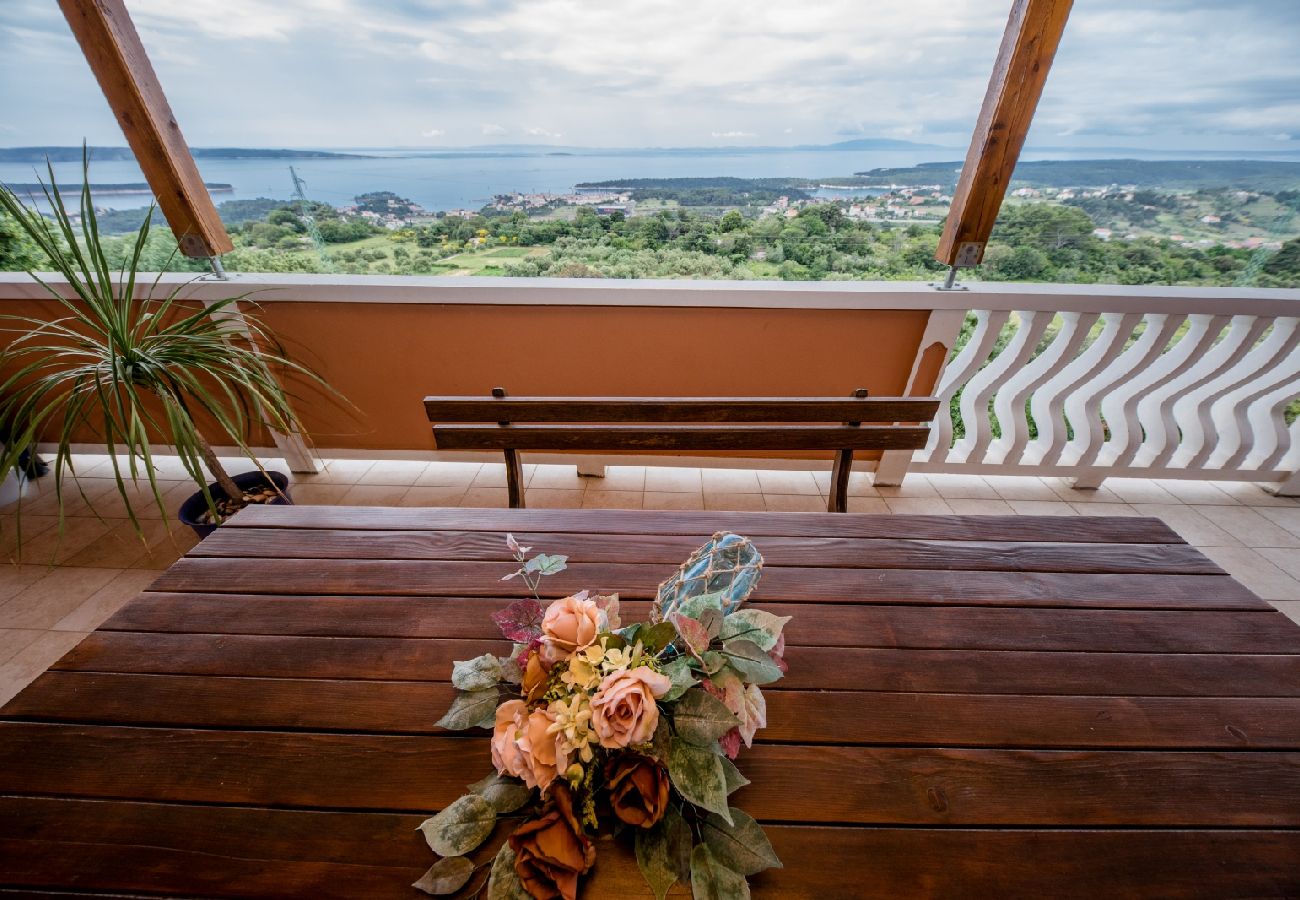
513, 424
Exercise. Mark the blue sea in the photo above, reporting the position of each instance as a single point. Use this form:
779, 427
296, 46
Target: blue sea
468, 179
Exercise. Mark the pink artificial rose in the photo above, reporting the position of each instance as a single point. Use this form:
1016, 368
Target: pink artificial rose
569, 625
623, 709
522, 748
506, 755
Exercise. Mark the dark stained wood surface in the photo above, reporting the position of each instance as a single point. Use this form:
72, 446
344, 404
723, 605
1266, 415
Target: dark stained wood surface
680, 437
1008, 707
681, 409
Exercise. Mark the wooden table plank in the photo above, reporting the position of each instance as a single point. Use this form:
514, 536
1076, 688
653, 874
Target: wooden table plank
837, 625
811, 668
669, 550
406, 707
1098, 529
635, 580
854, 785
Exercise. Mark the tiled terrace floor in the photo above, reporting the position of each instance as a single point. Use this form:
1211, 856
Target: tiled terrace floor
67, 584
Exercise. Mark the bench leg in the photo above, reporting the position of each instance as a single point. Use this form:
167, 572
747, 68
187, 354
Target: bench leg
514, 479
840, 472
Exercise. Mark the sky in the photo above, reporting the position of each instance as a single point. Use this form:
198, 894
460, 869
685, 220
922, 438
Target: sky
1161, 74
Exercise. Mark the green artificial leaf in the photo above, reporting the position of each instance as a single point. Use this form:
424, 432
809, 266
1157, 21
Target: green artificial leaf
631, 632
696, 606
476, 674
446, 876
503, 882
712, 662
662, 741
702, 718
510, 673
755, 625
471, 709
751, 661
546, 564
653, 857
711, 619
656, 637
697, 774
461, 827
680, 841
679, 670
740, 844
692, 632
505, 794
711, 880
735, 781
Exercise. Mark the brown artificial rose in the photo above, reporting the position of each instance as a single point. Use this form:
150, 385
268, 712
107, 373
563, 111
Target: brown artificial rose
551, 851
535, 678
638, 789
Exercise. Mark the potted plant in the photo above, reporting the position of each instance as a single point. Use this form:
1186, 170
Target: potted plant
140, 367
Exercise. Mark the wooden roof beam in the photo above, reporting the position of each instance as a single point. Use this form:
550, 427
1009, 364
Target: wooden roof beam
112, 47
1028, 46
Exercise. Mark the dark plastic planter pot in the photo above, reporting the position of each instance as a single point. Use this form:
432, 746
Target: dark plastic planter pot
192, 510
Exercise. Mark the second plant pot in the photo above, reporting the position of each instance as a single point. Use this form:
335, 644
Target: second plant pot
193, 509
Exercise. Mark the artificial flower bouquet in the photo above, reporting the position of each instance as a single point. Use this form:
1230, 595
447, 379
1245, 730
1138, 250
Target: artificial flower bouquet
600, 728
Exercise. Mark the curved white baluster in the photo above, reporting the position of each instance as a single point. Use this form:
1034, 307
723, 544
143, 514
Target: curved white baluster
1270, 437
1229, 414
1094, 376
1009, 404
1290, 458
1132, 420
980, 389
1117, 405
988, 325
1162, 442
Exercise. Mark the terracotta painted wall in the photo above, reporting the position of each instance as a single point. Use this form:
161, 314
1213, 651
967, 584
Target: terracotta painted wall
386, 357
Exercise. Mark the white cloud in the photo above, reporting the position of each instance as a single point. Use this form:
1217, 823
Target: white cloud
542, 132
734, 134
433, 133
491, 129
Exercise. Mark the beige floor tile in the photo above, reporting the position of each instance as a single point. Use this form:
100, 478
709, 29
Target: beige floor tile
724, 500
553, 498
1252, 494
338, 471
671, 479
672, 500
374, 494
14, 579
961, 487
1289, 608
14, 639
730, 481
449, 495
1064, 490
1202, 493
56, 545
320, 493
491, 475
1190, 525
16, 529
560, 478
394, 471
124, 546
782, 481
869, 505
99, 606
1139, 490
77, 495
914, 487
1255, 572
964, 507
443, 474
1287, 518
1249, 526
618, 478
1106, 509
794, 503
486, 497
53, 597
859, 484
594, 498
1020, 487
34, 659
918, 506
1286, 560
1042, 508
113, 505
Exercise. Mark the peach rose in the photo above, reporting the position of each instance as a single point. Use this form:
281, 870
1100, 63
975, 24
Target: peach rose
623, 709
506, 755
535, 678
569, 625
522, 748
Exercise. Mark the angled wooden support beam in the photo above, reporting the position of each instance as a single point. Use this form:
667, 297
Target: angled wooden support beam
112, 47
1028, 47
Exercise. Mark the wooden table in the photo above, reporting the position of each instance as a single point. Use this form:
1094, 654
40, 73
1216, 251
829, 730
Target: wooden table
975, 707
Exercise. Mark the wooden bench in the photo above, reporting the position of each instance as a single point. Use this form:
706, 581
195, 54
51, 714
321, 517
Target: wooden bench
681, 424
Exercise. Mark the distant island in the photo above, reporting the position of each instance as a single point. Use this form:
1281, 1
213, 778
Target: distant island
1167, 174
118, 154
101, 190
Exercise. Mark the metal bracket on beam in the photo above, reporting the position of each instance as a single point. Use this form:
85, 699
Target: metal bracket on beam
218, 270
950, 282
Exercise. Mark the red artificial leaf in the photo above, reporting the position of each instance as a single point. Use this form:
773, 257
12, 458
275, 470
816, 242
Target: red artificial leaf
521, 621
730, 743
777, 653
695, 634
